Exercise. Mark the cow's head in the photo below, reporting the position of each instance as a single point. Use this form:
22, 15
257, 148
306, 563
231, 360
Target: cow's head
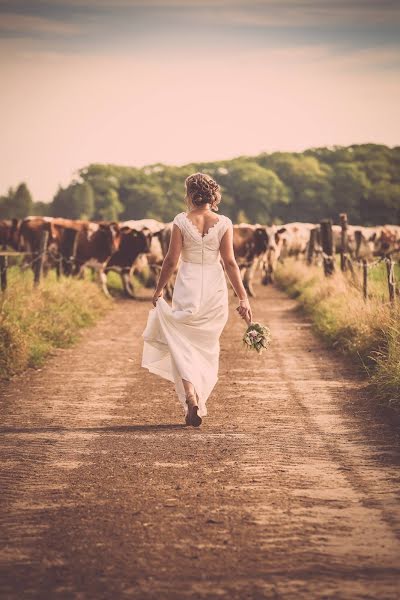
385, 243
278, 236
105, 240
365, 244
261, 239
134, 242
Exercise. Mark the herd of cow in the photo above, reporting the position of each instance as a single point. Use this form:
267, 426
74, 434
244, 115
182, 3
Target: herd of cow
131, 246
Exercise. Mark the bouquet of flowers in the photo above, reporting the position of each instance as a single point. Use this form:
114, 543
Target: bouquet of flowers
257, 336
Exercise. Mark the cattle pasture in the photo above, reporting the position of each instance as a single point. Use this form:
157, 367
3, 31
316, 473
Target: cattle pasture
138, 247
350, 308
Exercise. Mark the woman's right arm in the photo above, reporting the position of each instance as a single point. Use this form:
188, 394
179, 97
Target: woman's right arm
233, 272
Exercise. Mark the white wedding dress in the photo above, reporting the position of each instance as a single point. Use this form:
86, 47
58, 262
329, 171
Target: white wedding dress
182, 341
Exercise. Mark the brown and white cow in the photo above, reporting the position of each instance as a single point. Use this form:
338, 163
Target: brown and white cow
250, 242
29, 238
95, 244
359, 241
66, 231
9, 233
132, 244
386, 241
269, 260
155, 255
295, 239
160, 237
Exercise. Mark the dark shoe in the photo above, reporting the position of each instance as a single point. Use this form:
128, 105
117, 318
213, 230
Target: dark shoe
192, 418
195, 420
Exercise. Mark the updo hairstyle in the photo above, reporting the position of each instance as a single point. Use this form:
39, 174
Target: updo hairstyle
202, 189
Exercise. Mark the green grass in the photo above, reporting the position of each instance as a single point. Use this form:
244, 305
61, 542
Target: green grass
367, 331
34, 321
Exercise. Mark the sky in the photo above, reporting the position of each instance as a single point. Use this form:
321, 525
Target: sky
135, 82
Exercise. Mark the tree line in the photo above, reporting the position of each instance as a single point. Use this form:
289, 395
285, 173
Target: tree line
362, 180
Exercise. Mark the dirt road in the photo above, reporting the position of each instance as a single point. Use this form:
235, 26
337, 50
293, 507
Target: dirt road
289, 490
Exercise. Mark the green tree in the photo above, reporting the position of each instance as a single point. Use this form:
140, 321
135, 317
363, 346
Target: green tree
74, 202
22, 201
255, 190
308, 182
350, 190
382, 205
42, 209
143, 200
360, 179
17, 204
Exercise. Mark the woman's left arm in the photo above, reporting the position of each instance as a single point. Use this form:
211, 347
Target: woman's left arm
170, 262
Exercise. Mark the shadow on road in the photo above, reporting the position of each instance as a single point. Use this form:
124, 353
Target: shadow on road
105, 429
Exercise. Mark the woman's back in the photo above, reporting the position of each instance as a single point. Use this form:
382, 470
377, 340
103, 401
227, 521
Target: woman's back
201, 240
203, 221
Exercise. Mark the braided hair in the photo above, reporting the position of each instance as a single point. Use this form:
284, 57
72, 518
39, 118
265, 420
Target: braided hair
202, 189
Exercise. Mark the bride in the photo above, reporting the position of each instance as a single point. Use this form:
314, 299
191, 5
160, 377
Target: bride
181, 343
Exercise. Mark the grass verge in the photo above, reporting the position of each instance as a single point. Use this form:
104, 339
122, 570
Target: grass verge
34, 321
368, 332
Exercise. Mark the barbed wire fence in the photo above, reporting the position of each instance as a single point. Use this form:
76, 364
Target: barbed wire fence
348, 262
36, 260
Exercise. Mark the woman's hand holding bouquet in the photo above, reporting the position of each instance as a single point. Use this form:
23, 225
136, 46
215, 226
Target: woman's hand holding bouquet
256, 336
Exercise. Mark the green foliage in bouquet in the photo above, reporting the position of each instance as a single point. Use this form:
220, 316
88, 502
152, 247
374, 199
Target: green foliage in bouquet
257, 337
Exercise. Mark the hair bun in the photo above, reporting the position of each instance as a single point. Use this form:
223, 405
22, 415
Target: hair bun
202, 189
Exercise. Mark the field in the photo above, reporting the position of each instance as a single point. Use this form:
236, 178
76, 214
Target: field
34, 321
366, 331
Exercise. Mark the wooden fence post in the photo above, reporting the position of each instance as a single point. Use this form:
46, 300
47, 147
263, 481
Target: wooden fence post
358, 239
390, 277
58, 266
311, 246
327, 247
39, 256
3, 272
365, 279
72, 258
343, 241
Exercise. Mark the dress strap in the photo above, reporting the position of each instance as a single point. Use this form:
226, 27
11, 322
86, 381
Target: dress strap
178, 221
226, 223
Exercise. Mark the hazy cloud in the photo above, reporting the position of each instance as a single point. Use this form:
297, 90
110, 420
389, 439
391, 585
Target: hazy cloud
12, 22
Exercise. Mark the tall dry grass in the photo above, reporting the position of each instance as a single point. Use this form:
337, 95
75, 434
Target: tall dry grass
34, 321
367, 331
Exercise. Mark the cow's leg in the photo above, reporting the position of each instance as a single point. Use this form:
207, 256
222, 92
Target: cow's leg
265, 270
248, 279
127, 283
103, 282
269, 267
45, 269
66, 267
268, 276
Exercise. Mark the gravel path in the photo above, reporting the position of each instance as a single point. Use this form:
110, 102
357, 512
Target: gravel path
289, 490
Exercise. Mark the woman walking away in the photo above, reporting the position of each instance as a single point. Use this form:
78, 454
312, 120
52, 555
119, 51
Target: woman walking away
181, 343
